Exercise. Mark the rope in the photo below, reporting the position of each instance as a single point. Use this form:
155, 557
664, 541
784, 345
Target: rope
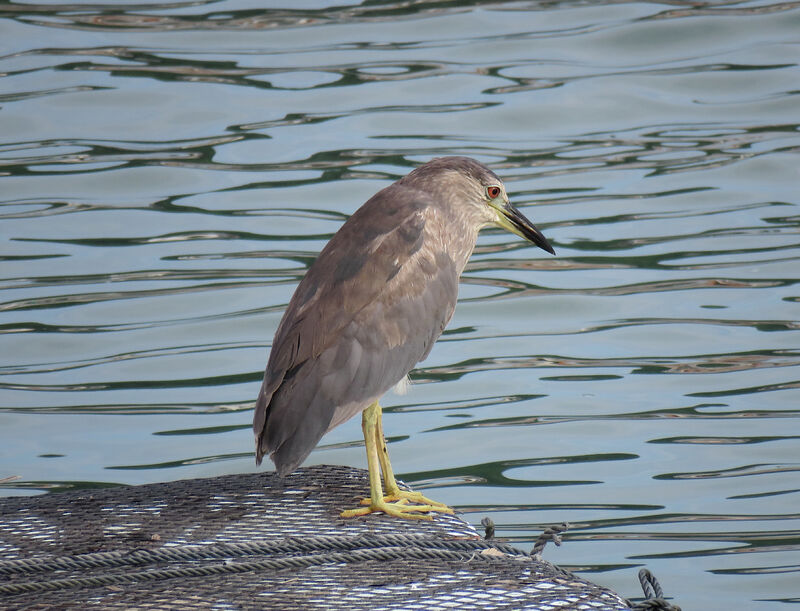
292, 562
551, 533
653, 595
650, 585
488, 526
237, 550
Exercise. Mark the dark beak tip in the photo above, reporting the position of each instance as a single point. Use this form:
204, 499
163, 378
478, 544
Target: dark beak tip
538, 239
529, 230
546, 247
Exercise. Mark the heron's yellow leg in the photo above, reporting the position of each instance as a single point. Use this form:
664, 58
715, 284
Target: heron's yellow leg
393, 492
396, 503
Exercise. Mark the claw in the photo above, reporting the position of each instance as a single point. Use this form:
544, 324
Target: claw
399, 505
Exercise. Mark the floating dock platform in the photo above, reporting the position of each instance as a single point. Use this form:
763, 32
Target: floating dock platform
257, 541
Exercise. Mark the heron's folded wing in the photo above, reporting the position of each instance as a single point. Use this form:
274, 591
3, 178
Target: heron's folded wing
371, 305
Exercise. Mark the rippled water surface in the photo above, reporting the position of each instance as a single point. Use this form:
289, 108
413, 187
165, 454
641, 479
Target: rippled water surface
169, 171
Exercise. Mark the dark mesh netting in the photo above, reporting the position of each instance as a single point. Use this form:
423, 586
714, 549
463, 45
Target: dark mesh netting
256, 541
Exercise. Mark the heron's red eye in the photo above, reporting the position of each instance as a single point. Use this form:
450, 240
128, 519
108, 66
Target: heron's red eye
493, 192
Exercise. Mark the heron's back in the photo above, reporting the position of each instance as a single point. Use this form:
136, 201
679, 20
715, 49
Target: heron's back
369, 308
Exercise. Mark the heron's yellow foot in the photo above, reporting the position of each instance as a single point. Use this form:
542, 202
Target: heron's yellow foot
403, 497
399, 506
397, 502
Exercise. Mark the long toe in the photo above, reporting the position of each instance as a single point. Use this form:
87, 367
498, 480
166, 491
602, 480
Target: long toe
410, 512
407, 496
409, 505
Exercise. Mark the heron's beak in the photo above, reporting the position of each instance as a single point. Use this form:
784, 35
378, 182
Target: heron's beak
513, 220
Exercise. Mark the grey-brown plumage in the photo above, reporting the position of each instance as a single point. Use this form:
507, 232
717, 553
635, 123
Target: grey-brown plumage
375, 301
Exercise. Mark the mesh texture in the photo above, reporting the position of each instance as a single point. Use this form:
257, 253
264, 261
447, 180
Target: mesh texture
257, 541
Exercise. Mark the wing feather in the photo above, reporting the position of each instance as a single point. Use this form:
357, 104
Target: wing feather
369, 308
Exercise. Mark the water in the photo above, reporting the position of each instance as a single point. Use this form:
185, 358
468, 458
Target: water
169, 172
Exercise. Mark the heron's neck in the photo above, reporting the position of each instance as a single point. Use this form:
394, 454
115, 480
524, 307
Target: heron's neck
453, 231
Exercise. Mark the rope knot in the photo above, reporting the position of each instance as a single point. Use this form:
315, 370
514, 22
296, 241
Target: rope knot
551, 533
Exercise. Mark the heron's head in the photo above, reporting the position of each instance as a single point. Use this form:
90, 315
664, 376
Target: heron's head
467, 182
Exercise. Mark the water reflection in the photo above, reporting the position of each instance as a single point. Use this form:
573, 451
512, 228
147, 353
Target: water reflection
658, 152
494, 473
170, 171
642, 365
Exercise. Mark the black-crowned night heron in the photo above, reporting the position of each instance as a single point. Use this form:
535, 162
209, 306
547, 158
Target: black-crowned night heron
369, 309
